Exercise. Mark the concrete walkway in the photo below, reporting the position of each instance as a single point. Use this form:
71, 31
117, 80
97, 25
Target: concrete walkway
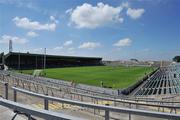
7, 114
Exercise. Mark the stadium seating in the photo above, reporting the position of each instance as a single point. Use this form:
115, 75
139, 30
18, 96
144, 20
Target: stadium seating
165, 81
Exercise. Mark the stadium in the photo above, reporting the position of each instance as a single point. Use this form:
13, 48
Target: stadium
88, 88
89, 60
79, 87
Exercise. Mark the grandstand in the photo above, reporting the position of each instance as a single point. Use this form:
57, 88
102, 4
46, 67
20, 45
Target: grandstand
15, 60
164, 81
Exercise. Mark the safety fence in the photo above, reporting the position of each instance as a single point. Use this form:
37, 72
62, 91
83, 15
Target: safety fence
106, 108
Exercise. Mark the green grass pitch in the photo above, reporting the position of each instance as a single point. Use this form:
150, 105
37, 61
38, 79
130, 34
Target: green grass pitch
115, 77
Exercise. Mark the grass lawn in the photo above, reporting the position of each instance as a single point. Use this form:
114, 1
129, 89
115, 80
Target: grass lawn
115, 77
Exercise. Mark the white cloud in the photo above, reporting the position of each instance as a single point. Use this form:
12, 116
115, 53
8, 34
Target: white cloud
58, 48
89, 45
5, 39
69, 11
32, 34
135, 13
53, 19
33, 25
123, 42
68, 43
88, 16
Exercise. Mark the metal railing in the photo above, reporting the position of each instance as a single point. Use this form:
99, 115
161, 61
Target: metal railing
115, 100
95, 106
107, 109
55, 83
81, 94
162, 104
29, 111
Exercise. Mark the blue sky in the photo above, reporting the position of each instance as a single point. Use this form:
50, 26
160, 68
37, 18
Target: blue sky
112, 29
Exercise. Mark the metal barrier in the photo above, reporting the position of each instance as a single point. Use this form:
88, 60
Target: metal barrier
109, 99
134, 102
121, 99
107, 109
59, 83
29, 111
127, 101
36, 83
95, 97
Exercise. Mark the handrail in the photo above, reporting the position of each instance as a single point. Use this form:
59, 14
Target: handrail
66, 85
49, 115
130, 102
115, 98
102, 107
